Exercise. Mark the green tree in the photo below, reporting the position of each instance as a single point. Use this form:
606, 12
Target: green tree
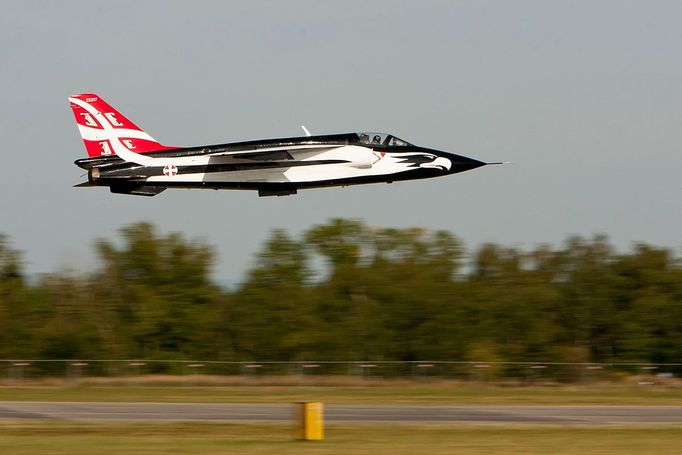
155, 288
269, 314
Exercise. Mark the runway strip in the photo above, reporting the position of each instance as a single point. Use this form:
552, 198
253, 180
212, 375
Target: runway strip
18, 410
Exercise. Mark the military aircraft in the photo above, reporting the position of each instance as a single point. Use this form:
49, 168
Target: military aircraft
126, 159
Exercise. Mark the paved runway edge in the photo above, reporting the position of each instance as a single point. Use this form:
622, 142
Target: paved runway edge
340, 413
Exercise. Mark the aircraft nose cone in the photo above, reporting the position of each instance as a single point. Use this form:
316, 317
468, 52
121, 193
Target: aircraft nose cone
462, 163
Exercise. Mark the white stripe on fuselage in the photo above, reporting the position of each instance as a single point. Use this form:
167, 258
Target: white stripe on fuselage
390, 164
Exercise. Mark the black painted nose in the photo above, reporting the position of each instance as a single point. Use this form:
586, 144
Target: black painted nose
460, 163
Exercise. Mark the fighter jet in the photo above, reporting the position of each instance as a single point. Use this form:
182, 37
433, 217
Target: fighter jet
126, 159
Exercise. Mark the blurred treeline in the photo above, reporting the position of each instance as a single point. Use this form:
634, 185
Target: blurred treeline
348, 291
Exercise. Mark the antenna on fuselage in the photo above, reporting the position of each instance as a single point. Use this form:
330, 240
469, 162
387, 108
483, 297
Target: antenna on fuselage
305, 130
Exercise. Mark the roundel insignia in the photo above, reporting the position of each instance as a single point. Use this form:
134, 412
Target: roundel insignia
170, 170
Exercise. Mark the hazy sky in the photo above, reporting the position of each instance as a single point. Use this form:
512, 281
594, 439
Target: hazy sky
585, 97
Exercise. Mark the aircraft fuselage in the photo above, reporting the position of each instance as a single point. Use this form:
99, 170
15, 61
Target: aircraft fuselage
277, 166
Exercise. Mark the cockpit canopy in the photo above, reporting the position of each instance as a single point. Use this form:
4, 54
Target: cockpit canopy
381, 139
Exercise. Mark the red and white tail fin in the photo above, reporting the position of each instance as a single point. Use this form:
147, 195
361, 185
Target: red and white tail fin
100, 124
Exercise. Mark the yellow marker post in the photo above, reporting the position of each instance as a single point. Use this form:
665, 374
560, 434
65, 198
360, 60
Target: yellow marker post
310, 421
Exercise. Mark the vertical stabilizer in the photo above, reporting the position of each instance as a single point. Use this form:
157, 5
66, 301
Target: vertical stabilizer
99, 124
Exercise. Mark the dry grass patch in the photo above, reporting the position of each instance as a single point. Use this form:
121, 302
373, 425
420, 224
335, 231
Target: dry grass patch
61, 438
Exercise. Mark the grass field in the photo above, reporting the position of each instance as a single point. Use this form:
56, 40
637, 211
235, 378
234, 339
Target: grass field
432, 393
60, 437
144, 438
